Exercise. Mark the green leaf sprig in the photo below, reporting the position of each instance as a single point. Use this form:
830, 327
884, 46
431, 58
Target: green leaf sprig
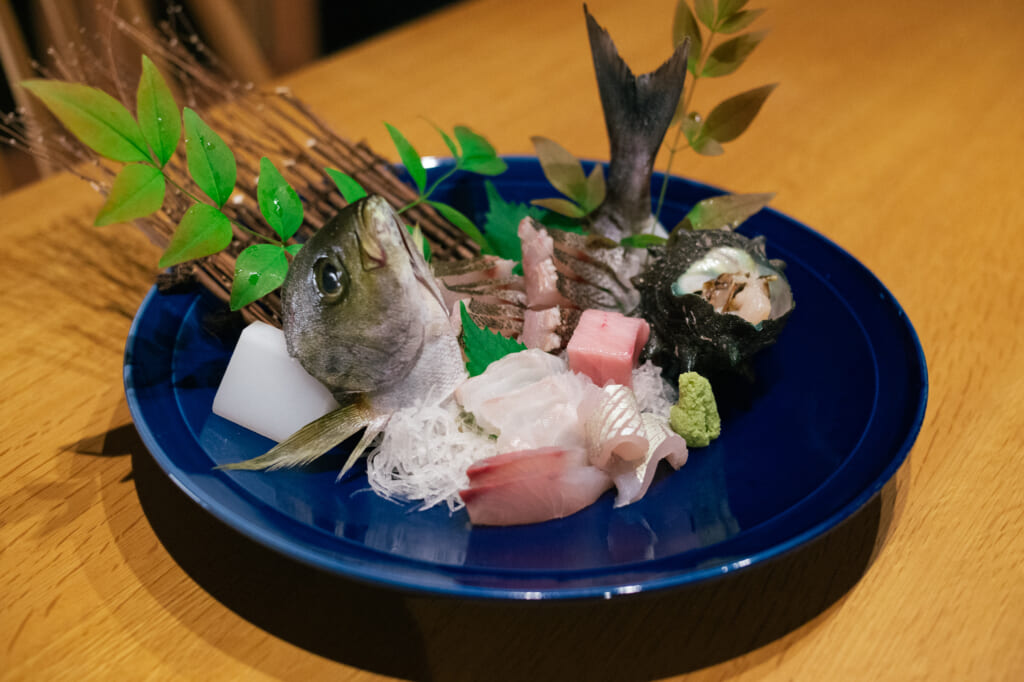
731, 117
565, 173
145, 143
472, 153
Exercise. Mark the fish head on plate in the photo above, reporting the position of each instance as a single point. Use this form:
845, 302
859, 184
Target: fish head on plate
353, 302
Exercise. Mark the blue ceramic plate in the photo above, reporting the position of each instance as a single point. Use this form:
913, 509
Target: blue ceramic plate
837, 404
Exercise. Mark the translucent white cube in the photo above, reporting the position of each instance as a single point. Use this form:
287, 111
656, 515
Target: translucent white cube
266, 390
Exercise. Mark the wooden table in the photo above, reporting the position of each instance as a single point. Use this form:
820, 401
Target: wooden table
897, 131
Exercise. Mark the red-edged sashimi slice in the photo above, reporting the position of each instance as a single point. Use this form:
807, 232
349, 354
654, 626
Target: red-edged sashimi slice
535, 498
509, 466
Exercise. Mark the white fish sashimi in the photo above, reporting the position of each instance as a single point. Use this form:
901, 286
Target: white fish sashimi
506, 375
613, 426
539, 414
632, 479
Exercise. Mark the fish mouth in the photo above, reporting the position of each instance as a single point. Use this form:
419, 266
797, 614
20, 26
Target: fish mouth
375, 219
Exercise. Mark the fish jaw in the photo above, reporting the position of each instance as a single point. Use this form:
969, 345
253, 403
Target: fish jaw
637, 111
370, 334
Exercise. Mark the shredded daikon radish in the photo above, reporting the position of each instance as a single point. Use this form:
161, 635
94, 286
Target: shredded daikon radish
653, 393
424, 454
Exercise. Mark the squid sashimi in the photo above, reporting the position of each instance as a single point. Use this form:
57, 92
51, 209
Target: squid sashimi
533, 499
613, 426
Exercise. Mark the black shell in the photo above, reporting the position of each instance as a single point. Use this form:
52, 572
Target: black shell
687, 334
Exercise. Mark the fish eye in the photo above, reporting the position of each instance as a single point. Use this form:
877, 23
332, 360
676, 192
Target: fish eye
331, 279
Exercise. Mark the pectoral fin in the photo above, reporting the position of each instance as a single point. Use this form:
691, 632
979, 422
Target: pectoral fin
317, 437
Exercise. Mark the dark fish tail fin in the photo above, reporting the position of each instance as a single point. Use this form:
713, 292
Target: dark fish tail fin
637, 111
315, 439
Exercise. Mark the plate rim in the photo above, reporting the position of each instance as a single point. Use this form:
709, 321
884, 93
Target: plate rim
308, 556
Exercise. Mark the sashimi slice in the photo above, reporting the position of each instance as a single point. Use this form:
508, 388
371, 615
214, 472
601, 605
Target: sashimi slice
539, 271
539, 328
539, 414
606, 346
632, 479
509, 466
535, 498
613, 426
504, 376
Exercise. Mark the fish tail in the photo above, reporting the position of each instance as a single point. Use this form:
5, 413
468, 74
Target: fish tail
637, 111
316, 438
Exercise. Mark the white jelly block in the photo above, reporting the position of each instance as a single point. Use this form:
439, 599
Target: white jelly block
266, 390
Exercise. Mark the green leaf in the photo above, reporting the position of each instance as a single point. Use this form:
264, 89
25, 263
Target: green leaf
727, 211
279, 203
705, 12
478, 156
685, 26
483, 346
693, 130
463, 223
447, 141
561, 168
349, 187
203, 230
731, 54
740, 21
561, 207
727, 8
138, 191
210, 162
729, 119
501, 223
410, 158
157, 112
641, 241
293, 249
259, 269
595, 189
101, 122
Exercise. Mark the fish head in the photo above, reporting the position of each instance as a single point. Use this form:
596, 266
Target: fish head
353, 302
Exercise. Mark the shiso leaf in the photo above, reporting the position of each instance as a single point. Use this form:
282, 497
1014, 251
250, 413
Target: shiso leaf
727, 211
279, 203
211, 163
705, 12
478, 156
739, 21
203, 230
410, 158
460, 221
138, 190
483, 346
259, 269
501, 223
349, 187
728, 120
685, 26
731, 54
561, 168
157, 112
101, 122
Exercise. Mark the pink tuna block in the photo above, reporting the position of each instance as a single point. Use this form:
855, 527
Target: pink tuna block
606, 346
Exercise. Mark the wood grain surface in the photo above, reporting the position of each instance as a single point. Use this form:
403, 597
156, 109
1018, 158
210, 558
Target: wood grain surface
897, 131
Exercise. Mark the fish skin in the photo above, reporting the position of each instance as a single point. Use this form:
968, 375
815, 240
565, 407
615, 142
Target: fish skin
638, 111
381, 343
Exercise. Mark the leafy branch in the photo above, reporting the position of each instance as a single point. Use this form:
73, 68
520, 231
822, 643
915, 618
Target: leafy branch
730, 118
472, 153
145, 143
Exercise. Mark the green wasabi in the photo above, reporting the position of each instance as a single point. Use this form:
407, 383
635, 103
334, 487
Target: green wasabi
695, 416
